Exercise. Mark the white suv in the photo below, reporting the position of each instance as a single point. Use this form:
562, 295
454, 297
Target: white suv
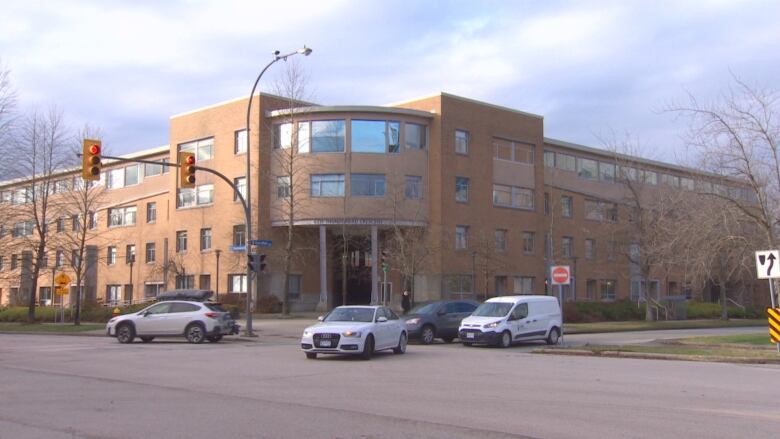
196, 321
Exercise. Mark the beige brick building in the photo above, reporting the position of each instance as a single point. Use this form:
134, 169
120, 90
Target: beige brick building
494, 204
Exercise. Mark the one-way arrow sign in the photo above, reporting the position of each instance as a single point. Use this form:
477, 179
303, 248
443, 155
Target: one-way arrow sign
768, 264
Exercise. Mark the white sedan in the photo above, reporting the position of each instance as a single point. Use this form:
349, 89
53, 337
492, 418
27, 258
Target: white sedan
360, 330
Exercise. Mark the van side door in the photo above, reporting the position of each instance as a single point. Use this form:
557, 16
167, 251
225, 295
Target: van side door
517, 321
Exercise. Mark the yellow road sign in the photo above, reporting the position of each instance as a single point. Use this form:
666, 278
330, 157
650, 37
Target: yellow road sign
774, 324
62, 279
61, 290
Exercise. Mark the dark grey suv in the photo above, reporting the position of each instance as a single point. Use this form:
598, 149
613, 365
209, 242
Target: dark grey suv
437, 320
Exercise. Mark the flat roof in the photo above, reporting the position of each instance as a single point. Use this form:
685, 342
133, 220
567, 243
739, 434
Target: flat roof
473, 101
349, 109
230, 101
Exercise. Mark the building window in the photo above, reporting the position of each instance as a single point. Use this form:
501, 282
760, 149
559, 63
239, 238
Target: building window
240, 183
546, 203
376, 136
181, 241
283, 187
529, 243
413, 188
327, 136
111, 255
151, 252
567, 246
590, 249
611, 250
461, 237
415, 136
185, 281
122, 216
92, 220
594, 210
367, 185
500, 235
587, 168
200, 196
461, 189
327, 185
304, 138
457, 286
608, 289
630, 174
549, 159
607, 172
651, 178
76, 224
14, 262
524, 285
501, 285
590, 289
2, 263
130, 254
461, 142
239, 142
283, 135
565, 162
151, 212
60, 225
203, 149
236, 283
59, 258
294, 286
566, 206
205, 239
512, 196
122, 177
113, 294
513, 151
239, 235
612, 213
131, 175
24, 228
687, 184
150, 169
152, 290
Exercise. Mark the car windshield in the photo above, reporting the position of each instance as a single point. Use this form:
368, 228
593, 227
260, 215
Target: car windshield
427, 308
350, 315
492, 309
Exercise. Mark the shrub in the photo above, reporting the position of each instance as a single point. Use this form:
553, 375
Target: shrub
267, 304
587, 312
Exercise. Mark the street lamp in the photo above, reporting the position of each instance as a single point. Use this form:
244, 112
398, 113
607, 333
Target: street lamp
305, 51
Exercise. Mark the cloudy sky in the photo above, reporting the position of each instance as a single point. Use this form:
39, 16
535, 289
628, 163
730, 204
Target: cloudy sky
590, 68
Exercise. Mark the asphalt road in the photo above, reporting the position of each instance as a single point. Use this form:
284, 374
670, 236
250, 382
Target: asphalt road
93, 387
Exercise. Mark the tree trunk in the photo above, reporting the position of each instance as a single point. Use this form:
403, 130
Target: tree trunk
287, 268
77, 315
724, 313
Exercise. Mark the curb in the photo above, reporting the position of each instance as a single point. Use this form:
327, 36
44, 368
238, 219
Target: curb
646, 356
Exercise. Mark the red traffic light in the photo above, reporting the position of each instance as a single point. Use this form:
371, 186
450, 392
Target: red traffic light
190, 160
94, 149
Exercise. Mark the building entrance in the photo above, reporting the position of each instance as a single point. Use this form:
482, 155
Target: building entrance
351, 270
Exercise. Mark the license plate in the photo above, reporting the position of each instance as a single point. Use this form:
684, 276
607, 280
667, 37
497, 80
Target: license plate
325, 343
469, 335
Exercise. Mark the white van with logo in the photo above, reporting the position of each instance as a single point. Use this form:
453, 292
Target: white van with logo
502, 321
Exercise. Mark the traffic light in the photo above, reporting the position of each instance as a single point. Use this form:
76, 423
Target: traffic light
187, 170
91, 164
256, 262
385, 259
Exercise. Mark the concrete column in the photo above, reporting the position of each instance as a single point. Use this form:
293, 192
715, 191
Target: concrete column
374, 264
322, 305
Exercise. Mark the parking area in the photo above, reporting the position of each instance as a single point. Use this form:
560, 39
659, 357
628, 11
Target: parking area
57, 386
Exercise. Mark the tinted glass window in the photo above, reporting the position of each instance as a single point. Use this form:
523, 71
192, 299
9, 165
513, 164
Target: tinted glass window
521, 311
493, 309
390, 314
215, 307
350, 315
424, 309
183, 307
368, 136
466, 307
451, 308
160, 308
380, 312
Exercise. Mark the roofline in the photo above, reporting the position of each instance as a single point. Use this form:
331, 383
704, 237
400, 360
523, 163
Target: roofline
349, 109
635, 159
230, 101
472, 101
133, 155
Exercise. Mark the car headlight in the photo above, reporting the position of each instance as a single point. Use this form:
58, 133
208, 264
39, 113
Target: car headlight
112, 320
414, 321
351, 334
306, 333
492, 325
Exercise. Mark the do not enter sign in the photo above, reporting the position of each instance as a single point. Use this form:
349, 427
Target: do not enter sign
560, 274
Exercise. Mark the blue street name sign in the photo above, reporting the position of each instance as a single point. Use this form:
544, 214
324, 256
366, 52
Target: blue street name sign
261, 242
238, 248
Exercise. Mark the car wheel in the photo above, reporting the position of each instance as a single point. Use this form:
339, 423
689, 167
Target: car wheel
427, 334
448, 339
125, 333
506, 340
214, 338
401, 348
554, 335
195, 333
147, 339
311, 355
368, 348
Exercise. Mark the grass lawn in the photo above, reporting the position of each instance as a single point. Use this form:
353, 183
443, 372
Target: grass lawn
739, 339
49, 327
640, 325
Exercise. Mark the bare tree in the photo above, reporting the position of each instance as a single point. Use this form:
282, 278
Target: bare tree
40, 148
289, 183
7, 106
81, 203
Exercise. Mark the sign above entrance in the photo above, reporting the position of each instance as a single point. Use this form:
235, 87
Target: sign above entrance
560, 274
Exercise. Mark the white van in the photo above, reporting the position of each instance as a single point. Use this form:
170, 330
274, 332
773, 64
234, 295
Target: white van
504, 320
